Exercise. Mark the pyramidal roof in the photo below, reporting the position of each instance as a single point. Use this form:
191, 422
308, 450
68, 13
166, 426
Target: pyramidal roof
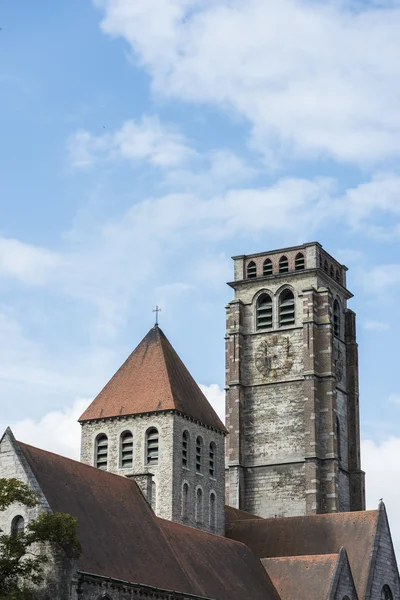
153, 379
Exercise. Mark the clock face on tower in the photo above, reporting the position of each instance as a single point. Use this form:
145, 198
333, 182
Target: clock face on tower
274, 356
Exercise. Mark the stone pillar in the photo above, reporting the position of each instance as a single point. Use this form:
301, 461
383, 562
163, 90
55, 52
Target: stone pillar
145, 484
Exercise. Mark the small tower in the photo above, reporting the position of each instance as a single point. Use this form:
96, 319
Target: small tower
292, 386
152, 422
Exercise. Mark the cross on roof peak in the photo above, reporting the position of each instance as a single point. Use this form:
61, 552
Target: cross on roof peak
156, 310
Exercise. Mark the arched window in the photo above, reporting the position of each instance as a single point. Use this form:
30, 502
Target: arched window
338, 439
337, 276
336, 318
101, 451
326, 266
264, 312
213, 512
185, 501
199, 454
251, 270
127, 450
299, 262
286, 309
185, 449
152, 446
267, 267
332, 272
199, 506
211, 464
345, 598
283, 264
386, 593
17, 525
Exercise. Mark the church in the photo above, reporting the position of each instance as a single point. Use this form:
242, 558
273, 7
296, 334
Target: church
172, 503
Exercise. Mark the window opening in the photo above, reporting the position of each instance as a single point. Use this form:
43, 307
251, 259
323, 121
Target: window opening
386, 593
299, 262
264, 312
185, 501
212, 460
251, 270
102, 452
332, 272
286, 309
336, 318
283, 264
337, 276
326, 266
267, 267
199, 506
127, 450
152, 446
213, 512
339, 448
185, 448
199, 444
17, 525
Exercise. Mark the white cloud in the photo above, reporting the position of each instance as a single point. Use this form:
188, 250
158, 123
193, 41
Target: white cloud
216, 397
311, 79
376, 326
144, 140
30, 264
394, 399
57, 431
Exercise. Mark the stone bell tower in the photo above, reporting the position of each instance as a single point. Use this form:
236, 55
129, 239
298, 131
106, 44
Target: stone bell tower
292, 386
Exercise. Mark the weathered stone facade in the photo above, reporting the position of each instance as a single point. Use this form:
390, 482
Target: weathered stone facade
292, 389
201, 503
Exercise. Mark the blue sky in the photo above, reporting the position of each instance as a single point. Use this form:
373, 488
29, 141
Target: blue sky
144, 143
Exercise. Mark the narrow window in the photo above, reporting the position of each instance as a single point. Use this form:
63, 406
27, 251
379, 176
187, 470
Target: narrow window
283, 264
299, 262
286, 309
251, 270
264, 312
336, 319
267, 267
339, 447
386, 593
185, 501
326, 266
185, 449
211, 464
127, 450
213, 512
199, 458
199, 506
17, 525
101, 451
332, 272
152, 446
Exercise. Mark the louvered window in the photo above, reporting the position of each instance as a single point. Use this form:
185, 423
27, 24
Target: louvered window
213, 512
17, 525
185, 449
101, 452
267, 267
199, 458
286, 309
199, 506
386, 593
337, 277
332, 272
127, 450
326, 266
152, 446
211, 464
264, 312
283, 264
299, 262
336, 319
251, 270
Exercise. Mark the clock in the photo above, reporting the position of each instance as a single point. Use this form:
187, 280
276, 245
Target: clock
274, 356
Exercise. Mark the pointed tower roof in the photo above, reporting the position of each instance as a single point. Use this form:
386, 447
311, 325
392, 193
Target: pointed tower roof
153, 379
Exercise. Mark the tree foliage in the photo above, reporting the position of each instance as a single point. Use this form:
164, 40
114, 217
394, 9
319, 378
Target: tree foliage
24, 555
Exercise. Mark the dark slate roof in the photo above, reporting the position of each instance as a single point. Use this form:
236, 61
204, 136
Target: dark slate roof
313, 535
122, 538
153, 378
297, 577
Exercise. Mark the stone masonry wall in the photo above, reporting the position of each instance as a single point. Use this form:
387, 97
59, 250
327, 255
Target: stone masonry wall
384, 569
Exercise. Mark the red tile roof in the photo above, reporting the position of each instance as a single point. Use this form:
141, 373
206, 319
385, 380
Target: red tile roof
152, 379
122, 538
313, 535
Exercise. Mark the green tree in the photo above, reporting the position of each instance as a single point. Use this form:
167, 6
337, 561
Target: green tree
21, 560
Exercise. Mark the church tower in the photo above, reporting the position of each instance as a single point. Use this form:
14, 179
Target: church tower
152, 422
292, 386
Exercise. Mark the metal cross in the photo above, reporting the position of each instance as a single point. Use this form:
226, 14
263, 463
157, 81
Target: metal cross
156, 310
